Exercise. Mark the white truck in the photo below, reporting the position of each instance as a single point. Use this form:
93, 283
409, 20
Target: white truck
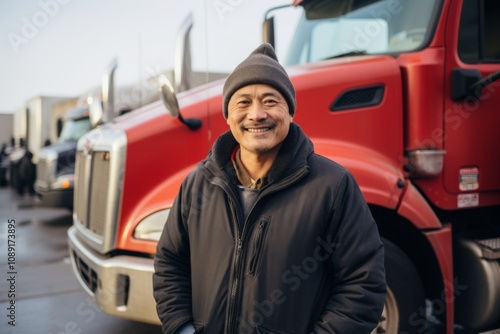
40, 120
35, 126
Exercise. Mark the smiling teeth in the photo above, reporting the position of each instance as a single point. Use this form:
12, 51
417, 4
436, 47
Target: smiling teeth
257, 130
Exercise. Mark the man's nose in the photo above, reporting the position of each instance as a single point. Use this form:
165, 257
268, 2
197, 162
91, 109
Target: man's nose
256, 112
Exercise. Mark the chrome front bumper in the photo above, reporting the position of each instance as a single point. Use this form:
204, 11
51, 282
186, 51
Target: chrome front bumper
120, 286
59, 198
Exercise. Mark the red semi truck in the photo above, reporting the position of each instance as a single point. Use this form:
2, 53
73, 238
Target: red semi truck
403, 93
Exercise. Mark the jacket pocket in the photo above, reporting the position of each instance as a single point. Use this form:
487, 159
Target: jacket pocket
259, 236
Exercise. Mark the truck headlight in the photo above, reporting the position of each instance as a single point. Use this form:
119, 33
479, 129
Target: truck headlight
150, 227
64, 182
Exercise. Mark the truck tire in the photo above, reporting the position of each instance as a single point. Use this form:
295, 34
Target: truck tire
404, 308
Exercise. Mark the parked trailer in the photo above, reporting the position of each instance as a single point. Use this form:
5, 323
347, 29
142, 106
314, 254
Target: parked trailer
35, 126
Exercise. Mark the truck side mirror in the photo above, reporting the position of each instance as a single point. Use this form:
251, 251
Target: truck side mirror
170, 102
168, 96
467, 83
268, 30
462, 81
59, 126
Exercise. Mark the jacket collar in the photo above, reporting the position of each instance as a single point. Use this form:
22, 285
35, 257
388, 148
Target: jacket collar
293, 154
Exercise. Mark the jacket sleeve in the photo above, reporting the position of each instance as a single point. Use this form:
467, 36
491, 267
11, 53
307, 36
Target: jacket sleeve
172, 276
357, 265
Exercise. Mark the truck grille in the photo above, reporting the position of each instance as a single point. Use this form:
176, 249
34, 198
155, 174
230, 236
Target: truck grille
81, 188
45, 171
100, 192
98, 186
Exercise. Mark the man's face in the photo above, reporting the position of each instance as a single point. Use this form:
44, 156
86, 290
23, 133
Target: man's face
259, 119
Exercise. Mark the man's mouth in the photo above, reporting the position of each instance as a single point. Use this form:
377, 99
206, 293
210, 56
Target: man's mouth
259, 129
254, 130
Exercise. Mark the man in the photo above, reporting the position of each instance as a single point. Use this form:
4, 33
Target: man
265, 236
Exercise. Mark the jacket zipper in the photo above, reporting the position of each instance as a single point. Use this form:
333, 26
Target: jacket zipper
232, 311
234, 289
233, 301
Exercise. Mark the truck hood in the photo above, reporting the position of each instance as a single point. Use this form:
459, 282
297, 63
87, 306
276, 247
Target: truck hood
57, 148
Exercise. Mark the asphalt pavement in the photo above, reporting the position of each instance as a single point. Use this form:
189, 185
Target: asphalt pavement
38, 291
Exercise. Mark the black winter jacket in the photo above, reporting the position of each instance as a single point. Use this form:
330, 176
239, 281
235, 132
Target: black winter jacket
308, 259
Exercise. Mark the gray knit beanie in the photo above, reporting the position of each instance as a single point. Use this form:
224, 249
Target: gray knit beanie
261, 67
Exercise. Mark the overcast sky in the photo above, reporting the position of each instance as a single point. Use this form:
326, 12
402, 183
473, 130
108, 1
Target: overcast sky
62, 47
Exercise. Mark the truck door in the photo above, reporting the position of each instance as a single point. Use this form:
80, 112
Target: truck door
472, 135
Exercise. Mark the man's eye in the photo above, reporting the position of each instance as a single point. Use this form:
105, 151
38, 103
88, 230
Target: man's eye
243, 103
270, 102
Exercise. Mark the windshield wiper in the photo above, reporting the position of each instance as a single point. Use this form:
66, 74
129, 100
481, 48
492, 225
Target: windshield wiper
348, 54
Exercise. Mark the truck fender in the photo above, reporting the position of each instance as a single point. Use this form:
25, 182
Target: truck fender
160, 198
417, 210
379, 178
163, 195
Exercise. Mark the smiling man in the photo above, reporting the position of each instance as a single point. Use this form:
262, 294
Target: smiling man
259, 119
265, 236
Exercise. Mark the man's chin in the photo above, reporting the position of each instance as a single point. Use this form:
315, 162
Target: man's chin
265, 149
262, 150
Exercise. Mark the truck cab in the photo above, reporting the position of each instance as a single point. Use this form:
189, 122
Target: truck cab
56, 163
402, 93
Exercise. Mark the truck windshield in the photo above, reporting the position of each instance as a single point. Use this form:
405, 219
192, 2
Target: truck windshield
362, 27
74, 129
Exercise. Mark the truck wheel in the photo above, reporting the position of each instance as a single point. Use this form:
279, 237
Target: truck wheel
404, 307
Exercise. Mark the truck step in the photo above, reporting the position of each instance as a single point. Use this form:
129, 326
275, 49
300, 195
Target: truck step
491, 250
